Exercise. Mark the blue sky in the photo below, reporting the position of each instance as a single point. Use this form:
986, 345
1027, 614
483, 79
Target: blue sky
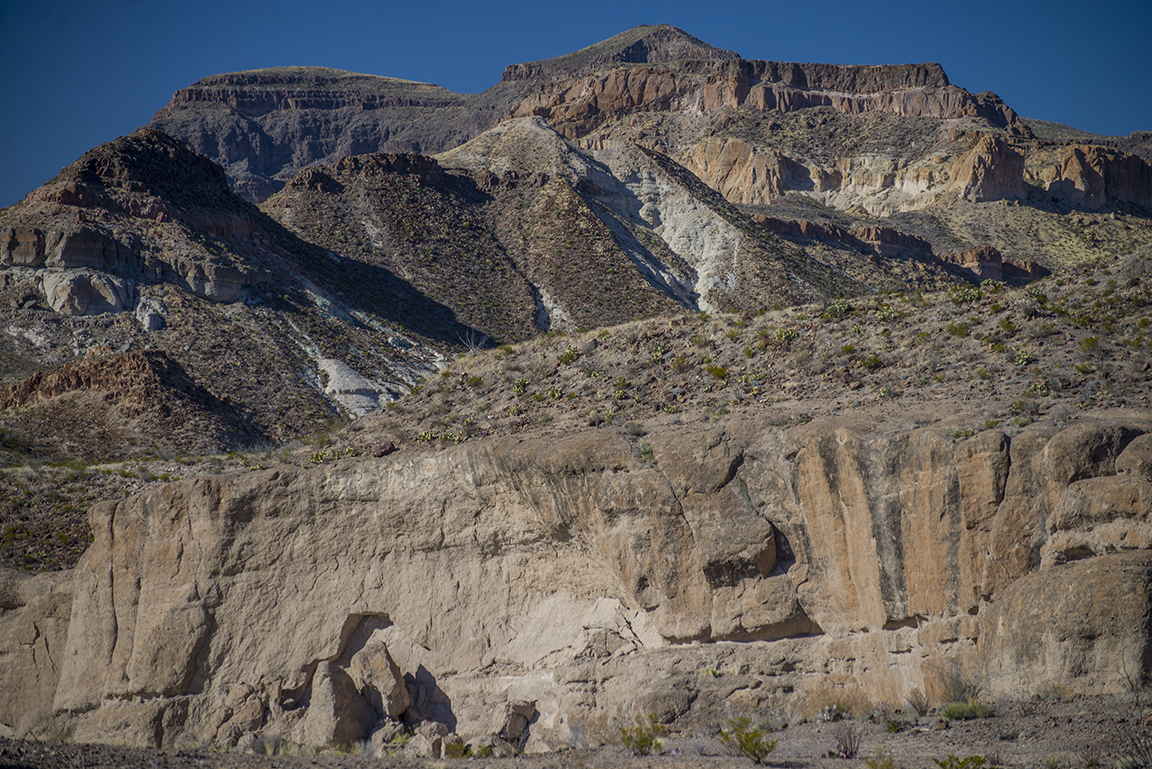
81, 73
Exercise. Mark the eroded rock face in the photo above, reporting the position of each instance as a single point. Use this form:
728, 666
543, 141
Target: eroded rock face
991, 170
827, 556
1092, 177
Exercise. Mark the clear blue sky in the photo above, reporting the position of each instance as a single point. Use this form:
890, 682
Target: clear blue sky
80, 73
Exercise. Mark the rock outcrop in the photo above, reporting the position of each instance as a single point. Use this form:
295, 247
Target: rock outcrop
991, 170
598, 584
1092, 177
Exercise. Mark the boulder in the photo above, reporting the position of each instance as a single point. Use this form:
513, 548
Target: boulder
337, 714
1084, 624
86, 292
517, 716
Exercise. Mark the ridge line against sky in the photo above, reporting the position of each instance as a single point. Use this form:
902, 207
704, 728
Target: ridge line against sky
79, 74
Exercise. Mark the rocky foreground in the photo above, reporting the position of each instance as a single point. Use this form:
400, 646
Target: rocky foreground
1082, 731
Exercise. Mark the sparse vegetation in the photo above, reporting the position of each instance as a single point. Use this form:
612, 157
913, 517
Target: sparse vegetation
742, 736
643, 737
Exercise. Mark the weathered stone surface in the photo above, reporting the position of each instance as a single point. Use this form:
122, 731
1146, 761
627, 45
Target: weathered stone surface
337, 714
991, 170
517, 716
86, 292
824, 556
34, 616
22, 246
1136, 458
1084, 624
1091, 177
85, 247
983, 262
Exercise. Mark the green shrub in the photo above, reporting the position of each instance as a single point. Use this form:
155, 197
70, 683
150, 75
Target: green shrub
519, 386
886, 312
872, 362
881, 760
786, 334
643, 738
964, 294
569, 355
957, 329
835, 310
960, 711
741, 735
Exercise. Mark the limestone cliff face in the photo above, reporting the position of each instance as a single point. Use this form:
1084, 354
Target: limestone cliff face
570, 572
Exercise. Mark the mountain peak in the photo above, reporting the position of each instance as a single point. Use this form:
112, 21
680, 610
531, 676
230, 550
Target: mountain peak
645, 44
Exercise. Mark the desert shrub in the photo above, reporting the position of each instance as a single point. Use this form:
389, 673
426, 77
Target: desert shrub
958, 685
569, 355
786, 334
519, 386
847, 738
886, 312
836, 309
742, 736
644, 737
957, 329
964, 294
918, 701
872, 362
960, 711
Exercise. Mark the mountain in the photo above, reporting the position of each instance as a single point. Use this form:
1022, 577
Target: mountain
650, 380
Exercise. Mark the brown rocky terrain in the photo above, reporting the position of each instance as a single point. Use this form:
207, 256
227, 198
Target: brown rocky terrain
676, 386
605, 518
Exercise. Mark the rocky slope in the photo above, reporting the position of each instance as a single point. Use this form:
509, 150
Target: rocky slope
824, 527
140, 244
715, 450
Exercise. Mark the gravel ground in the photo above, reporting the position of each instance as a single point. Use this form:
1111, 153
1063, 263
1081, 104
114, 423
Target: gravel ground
1083, 731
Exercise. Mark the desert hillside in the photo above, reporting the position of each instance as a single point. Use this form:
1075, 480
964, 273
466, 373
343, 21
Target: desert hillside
652, 390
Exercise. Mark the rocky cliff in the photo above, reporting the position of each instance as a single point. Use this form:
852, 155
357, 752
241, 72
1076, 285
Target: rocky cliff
578, 575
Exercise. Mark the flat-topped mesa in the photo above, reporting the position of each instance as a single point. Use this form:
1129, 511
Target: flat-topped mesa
257, 92
640, 45
851, 78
